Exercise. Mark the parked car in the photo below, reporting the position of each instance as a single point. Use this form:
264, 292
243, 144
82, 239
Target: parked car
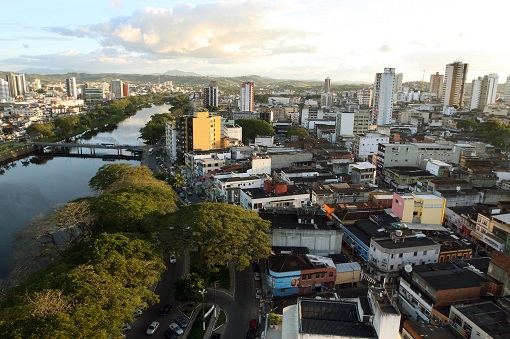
181, 194
173, 259
253, 325
176, 328
126, 327
190, 193
165, 309
137, 313
169, 334
258, 293
256, 276
181, 321
465, 241
215, 336
152, 328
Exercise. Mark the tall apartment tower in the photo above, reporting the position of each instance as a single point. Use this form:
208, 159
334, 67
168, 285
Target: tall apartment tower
436, 84
210, 94
382, 106
116, 88
4, 90
365, 98
507, 90
454, 84
483, 91
125, 89
71, 88
200, 131
327, 85
399, 78
247, 103
17, 84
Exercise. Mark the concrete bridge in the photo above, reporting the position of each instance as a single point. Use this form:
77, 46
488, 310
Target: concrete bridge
128, 152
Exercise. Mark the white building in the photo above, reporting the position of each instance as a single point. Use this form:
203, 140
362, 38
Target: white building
229, 130
386, 257
4, 90
454, 84
71, 88
344, 124
247, 102
507, 90
257, 199
366, 145
382, 107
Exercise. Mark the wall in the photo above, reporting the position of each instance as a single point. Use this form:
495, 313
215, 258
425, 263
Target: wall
320, 242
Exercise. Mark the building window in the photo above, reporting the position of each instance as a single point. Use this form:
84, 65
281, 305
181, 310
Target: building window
401, 255
323, 275
415, 254
303, 277
309, 276
331, 274
424, 252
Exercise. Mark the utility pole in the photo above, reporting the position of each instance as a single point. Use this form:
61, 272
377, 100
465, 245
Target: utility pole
215, 315
203, 292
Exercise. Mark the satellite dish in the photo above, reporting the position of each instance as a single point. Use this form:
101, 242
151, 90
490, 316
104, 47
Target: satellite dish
408, 268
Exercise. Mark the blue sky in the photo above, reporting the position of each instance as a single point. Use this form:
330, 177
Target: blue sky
286, 39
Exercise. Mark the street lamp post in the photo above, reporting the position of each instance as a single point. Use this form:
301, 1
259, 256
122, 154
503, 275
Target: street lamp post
203, 292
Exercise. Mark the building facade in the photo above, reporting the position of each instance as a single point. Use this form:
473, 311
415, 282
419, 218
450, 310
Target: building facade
210, 94
247, 103
436, 84
382, 107
454, 84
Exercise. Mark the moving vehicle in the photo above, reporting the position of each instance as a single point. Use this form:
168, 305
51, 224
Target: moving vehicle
256, 276
173, 259
152, 328
258, 293
253, 325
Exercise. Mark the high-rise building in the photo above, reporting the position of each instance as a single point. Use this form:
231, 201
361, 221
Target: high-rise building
201, 131
125, 89
116, 88
247, 103
399, 78
327, 85
382, 106
365, 98
436, 84
454, 84
210, 94
507, 90
71, 88
17, 84
4, 90
483, 91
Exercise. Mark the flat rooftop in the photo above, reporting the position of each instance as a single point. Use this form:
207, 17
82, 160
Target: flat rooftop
491, 318
334, 318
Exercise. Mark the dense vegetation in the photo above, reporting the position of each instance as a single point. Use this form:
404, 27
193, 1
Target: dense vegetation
253, 128
84, 269
492, 131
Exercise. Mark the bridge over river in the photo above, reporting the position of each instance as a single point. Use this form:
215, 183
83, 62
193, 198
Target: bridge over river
105, 151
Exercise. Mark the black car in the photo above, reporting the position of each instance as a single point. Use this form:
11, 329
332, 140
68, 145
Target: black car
169, 334
165, 309
215, 336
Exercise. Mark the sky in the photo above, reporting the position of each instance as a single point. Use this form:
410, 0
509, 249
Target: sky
345, 40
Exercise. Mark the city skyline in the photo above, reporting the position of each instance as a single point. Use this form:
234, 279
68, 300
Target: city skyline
306, 40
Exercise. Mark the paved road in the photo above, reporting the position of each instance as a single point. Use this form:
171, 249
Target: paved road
164, 290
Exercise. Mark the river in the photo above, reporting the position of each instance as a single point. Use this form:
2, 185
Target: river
28, 189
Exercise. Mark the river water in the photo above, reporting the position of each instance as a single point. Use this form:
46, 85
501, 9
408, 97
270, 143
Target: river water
29, 188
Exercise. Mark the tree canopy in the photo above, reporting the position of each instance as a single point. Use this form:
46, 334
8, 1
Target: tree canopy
299, 131
132, 200
253, 128
223, 234
154, 130
88, 293
189, 287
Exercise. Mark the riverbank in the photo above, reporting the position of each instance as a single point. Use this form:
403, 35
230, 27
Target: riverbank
15, 153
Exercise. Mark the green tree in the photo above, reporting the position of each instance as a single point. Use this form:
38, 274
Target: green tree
43, 129
223, 234
154, 130
189, 287
299, 131
178, 180
107, 175
253, 128
88, 293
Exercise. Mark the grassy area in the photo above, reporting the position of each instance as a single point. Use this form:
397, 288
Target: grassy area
222, 318
196, 331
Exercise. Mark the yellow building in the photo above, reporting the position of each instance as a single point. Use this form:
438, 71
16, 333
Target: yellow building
423, 208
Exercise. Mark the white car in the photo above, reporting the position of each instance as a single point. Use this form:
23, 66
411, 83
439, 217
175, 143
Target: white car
173, 259
176, 328
256, 276
258, 293
152, 328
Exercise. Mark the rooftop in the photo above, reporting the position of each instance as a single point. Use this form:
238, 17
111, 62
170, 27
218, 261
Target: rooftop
491, 318
408, 242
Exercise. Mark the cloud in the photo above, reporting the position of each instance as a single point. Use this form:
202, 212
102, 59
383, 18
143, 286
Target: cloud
238, 30
26, 46
385, 48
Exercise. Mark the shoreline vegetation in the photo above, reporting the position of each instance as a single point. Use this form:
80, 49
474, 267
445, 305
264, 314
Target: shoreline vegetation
99, 119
